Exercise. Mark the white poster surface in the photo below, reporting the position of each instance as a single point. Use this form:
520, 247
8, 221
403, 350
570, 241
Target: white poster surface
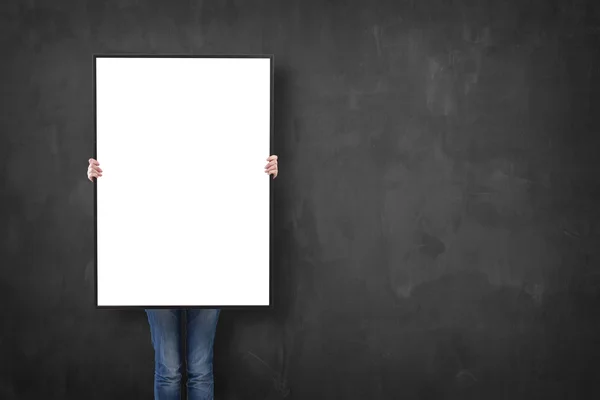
183, 206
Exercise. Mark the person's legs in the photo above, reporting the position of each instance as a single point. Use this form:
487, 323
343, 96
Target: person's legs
201, 327
166, 340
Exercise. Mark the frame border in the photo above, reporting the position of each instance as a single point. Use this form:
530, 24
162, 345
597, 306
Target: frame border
271, 57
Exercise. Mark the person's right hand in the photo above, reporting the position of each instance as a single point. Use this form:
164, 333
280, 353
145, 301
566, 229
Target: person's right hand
94, 170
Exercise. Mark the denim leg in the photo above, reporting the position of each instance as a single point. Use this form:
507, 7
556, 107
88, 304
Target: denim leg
165, 332
201, 327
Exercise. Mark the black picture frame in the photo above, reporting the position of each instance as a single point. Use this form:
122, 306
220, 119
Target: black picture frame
271, 57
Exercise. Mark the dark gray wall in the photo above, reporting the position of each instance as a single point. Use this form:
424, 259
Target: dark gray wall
436, 208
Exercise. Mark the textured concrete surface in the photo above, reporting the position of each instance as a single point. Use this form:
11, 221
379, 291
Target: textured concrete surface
437, 207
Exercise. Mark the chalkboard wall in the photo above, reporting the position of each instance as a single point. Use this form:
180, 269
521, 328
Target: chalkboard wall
436, 208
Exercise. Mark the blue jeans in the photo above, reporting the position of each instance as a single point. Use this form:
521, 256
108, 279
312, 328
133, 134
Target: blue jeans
165, 331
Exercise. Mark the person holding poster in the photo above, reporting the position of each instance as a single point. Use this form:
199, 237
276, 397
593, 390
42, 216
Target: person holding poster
166, 336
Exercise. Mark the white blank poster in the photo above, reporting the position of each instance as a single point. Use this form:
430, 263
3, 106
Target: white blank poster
182, 208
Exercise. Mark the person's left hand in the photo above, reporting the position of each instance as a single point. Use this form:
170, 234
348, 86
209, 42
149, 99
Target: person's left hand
271, 167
